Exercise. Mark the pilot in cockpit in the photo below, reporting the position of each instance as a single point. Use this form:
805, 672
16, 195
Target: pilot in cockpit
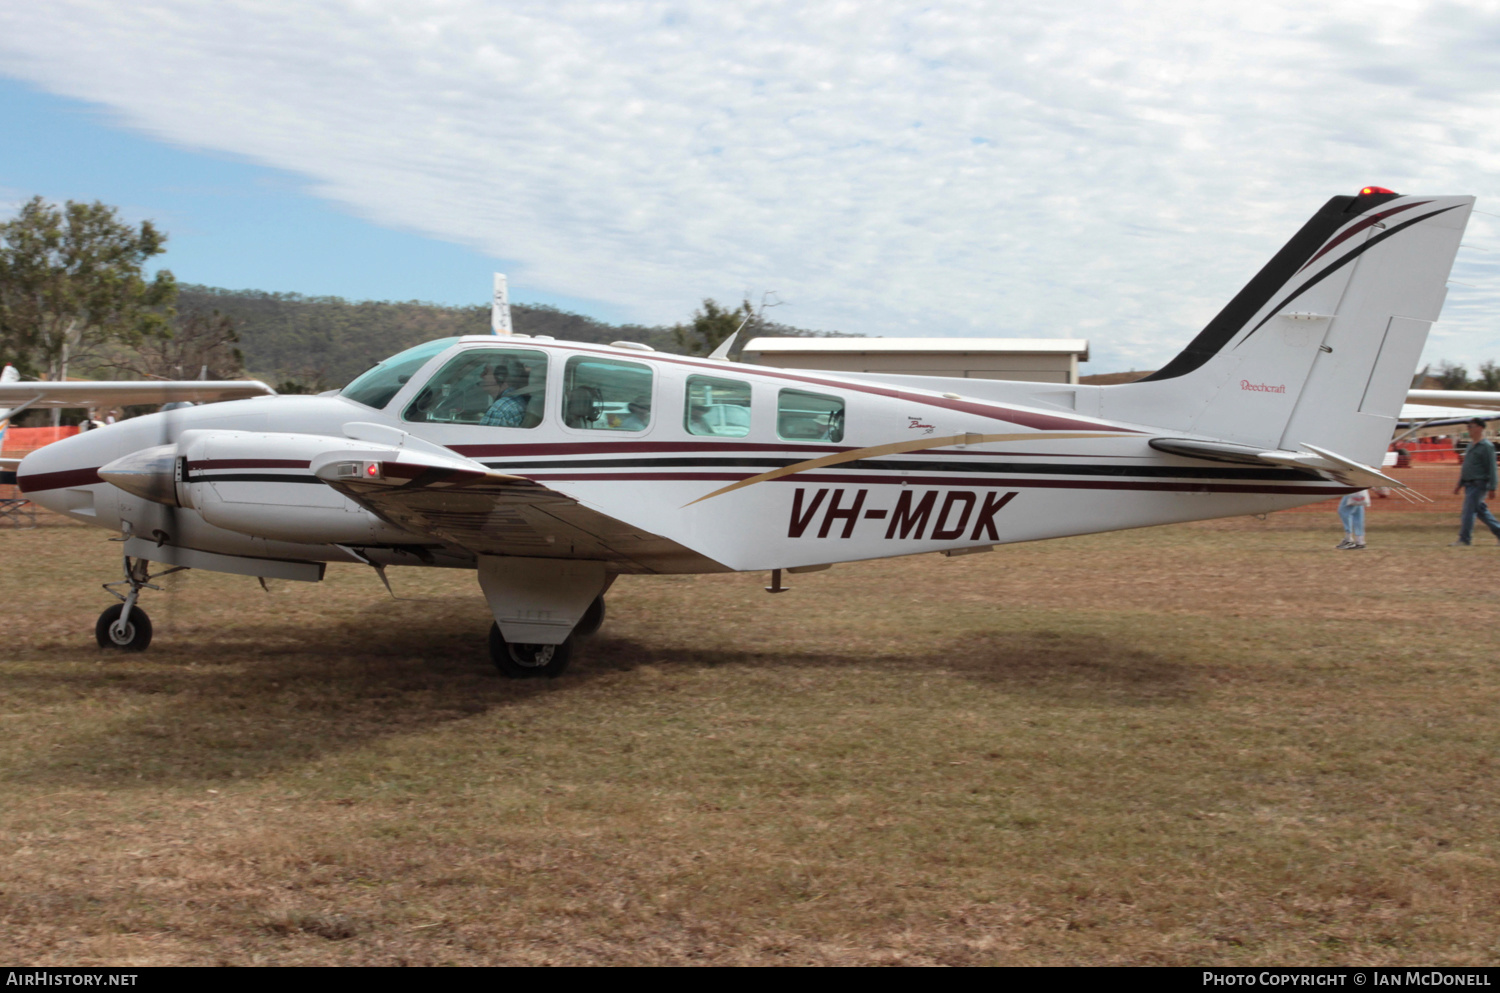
505, 383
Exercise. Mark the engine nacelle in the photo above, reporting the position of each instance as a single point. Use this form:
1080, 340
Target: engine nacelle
260, 483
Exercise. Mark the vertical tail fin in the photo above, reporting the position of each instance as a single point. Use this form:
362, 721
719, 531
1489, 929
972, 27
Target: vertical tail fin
1318, 347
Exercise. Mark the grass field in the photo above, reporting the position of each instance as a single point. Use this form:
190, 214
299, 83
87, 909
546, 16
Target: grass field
1221, 743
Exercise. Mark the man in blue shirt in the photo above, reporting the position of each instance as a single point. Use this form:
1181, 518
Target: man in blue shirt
504, 383
1477, 478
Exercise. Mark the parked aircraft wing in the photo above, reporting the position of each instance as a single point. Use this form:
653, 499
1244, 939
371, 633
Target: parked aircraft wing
1423, 415
492, 513
114, 393
1468, 399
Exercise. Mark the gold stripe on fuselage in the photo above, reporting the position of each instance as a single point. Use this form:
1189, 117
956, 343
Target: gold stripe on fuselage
897, 448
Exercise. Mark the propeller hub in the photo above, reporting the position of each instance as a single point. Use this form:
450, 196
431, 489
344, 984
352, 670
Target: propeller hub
150, 473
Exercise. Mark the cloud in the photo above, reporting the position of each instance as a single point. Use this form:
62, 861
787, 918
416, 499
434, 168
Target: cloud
1110, 170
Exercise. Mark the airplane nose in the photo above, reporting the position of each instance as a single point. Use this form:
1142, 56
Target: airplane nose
150, 473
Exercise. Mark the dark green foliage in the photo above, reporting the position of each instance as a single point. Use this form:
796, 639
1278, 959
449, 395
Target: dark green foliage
203, 345
711, 325
1452, 377
1456, 377
310, 344
1489, 378
315, 343
72, 280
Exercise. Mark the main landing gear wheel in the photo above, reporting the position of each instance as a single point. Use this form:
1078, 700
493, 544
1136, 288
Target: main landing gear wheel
133, 636
592, 619
528, 661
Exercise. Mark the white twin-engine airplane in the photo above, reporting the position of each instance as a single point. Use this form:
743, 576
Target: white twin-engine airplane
553, 467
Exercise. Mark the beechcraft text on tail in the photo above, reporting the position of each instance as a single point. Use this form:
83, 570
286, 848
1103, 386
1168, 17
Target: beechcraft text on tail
550, 468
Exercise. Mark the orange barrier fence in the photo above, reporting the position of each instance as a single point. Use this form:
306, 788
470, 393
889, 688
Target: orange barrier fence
1437, 449
19, 441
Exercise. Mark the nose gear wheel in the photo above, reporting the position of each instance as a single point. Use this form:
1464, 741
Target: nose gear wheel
124, 626
131, 636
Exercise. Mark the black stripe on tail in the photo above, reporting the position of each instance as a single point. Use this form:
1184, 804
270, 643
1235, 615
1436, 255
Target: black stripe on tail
1276, 274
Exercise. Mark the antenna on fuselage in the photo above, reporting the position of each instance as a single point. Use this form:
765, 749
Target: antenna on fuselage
722, 352
500, 307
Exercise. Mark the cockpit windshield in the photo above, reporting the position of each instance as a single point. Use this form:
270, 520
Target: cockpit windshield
376, 387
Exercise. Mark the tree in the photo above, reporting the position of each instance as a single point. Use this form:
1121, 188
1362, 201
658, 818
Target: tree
306, 381
1452, 377
711, 325
1489, 377
203, 345
71, 280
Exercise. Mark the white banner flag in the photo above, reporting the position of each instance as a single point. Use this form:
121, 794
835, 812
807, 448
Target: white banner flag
500, 307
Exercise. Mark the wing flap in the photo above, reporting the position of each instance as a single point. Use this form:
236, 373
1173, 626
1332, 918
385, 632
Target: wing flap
492, 513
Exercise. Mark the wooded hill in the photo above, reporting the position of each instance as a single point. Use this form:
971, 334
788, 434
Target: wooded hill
322, 342
327, 341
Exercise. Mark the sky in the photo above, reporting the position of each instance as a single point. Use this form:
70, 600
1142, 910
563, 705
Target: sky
1114, 171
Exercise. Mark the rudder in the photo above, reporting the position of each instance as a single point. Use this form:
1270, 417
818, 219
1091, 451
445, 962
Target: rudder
1319, 346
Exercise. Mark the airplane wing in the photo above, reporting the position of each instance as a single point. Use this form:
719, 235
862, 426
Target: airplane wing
1467, 399
1422, 415
492, 513
116, 393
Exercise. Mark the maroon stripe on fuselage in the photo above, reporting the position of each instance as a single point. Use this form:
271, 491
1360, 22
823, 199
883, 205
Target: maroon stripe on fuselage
948, 481
248, 464
618, 447
33, 482
771, 450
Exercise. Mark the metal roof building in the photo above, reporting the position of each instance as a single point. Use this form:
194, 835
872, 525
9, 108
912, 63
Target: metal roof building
1042, 360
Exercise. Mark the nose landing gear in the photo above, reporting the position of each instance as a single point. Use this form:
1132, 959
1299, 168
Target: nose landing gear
125, 627
130, 634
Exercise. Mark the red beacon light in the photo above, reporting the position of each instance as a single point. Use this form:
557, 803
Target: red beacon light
1368, 190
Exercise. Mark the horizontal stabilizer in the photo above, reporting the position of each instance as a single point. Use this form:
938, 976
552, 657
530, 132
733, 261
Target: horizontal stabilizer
1334, 466
1213, 451
1327, 464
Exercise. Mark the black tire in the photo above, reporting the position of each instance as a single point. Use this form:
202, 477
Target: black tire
592, 619
528, 661
137, 630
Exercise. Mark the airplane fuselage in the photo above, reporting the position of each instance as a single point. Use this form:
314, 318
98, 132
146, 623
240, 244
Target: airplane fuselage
798, 468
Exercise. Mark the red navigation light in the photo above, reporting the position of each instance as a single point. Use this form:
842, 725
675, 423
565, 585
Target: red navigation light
372, 469
1375, 189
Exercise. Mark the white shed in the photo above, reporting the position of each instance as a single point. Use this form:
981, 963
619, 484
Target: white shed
1041, 360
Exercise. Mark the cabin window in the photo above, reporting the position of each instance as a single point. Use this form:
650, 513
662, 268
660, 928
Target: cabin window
809, 417
717, 407
376, 387
495, 387
603, 394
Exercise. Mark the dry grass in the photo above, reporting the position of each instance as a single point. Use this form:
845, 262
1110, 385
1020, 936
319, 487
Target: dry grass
1219, 743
